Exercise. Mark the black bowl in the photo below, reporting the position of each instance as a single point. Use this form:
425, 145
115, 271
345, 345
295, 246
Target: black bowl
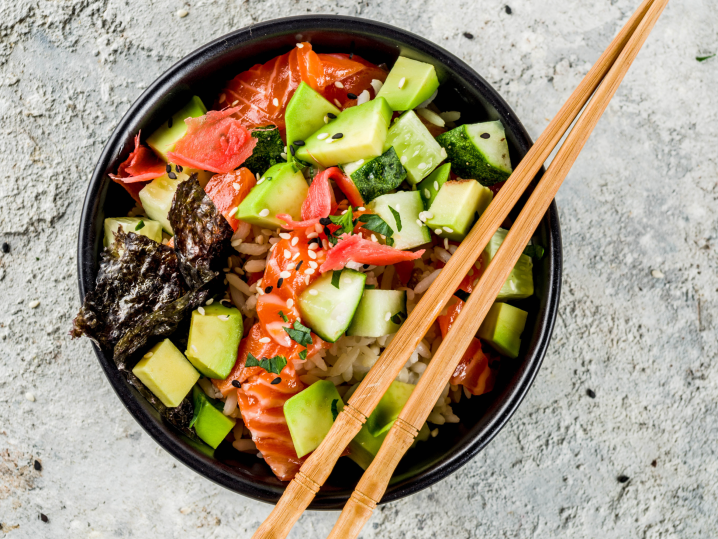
203, 73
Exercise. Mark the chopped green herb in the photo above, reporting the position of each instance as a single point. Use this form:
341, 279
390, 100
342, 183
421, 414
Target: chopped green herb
335, 410
140, 225
346, 226
534, 251
299, 334
303, 354
283, 316
373, 222
704, 58
273, 365
335, 278
397, 218
463, 295
399, 317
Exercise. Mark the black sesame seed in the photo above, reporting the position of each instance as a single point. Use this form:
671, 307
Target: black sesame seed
351, 95
37, 465
178, 168
591, 393
172, 176
314, 240
276, 381
292, 150
5, 247
299, 143
44, 518
280, 282
268, 289
508, 10
169, 122
299, 265
468, 35
327, 232
337, 136
331, 115
366, 266
622, 478
351, 55
325, 221
235, 383
485, 135
168, 168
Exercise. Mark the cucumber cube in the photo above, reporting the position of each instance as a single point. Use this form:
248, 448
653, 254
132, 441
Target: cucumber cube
389, 408
502, 328
418, 151
138, 225
163, 140
408, 205
361, 130
282, 189
329, 310
409, 84
457, 205
214, 336
377, 176
520, 283
429, 186
478, 151
166, 373
373, 317
210, 424
309, 415
305, 113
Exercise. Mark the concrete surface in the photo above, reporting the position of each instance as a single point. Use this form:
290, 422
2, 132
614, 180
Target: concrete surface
638, 313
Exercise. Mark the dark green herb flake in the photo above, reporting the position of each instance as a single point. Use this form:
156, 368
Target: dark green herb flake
397, 218
273, 365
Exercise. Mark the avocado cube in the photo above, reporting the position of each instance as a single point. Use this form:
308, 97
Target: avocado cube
282, 189
408, 205
418, 151
389, 408
214, 335
166, 373
409, 84
138, 225
163, 140
309, 415
502, 328
210, 424
305, 113
361, 133
457, 205
364, 447
429, 186
520, 283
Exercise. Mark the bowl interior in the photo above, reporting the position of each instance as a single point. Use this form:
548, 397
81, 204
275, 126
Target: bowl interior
203, 73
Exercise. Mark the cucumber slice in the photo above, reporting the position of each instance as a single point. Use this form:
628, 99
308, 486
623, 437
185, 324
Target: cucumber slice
379, 176
164, 139
520, 283
408, 205
329, 310
373, 317
457, 206
309, 415
478, 151
418, 151
149, 228
409, 84
429, 187
502, 328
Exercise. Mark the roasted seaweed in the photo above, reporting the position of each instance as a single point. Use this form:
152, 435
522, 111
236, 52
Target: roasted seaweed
137, 277
268, 151
202, 234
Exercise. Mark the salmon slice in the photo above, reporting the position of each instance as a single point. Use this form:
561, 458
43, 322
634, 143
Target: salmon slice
227, 191
353, 84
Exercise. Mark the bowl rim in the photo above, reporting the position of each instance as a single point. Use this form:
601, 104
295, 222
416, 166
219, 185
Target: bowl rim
172, 441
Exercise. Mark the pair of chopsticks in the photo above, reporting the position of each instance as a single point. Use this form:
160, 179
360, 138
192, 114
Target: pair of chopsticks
601, 82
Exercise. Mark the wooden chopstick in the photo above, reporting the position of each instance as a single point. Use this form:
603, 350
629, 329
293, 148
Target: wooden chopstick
314, 472
376, 478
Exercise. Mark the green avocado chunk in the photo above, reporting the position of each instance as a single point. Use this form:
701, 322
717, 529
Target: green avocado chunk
163, 140
166, 373
389, 407
409, 84
358, 133
456, 207
210, 424
138, 225
305, 114
309, 415
378, 176
418, 151
478, 151
282, 189
502, 328
214, 335
429, 186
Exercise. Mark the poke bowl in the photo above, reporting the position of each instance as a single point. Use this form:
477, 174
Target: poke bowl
183, 285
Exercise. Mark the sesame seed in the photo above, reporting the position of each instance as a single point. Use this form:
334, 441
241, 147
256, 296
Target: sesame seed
284, 235
309, 271
287, 253
258, 176
30, 397
264, 340
338, 84
330, 140
429, 215
361, 208
275, 102
236, 186
264, 212
337, 103
418, 222
313, 264
347, 280
312, 247
331, 115
285, 275
223, 317
312, 235
437, 232
306, 279
300, 45
387, 316
436, 186
402, 81
260, 181
397, 207
422, 166
312, 254
427, 193
446, 246
283, 156
351, 95
295, 255
149, 354
268, 290
168, 168
200, 310
194, 348
293, 150
326, 119
210, 301
172, 176
299, 143
34, 304
295, 240
235, 383
280, 282
182, 13
373, 238
337, 136
222, 98
404, 159
448, 230
313, 292
235, 102
443, 153
322, 136
299, 265
290, 303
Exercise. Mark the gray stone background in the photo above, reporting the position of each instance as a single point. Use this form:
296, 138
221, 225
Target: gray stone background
638, 312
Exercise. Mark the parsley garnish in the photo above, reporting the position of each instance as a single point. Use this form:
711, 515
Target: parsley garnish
373, 222
346, 226
140, 225
273, 365
397, 218
534, 251
283, 316
335, 278
303, 354
335, 409
299, 334
704, 58
399, 317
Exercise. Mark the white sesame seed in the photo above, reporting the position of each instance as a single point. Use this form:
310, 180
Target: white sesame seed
287, 253
313, 292
307, 279
194, 348
259, 240
258, 176
446, 246
210, 301
404, 159
309, 271
376, 84
443, 153
285, 274
437, 232
34, 304
427, 193
418, 222
313, 247
318, 228
312, 235
337, 103
347, 280
436, 186
235, 102
223, 317
236, 186
222, 98
373, 238
325, 244
284, 235
295, 240
264, 340
322, 136
182, 13
447, 229
260, 181
402, 81
397, 207
290, 303
330, 140
233, 210
295, 255
387, 316
149, 354
264, 212
361, 208
312, 254
200, 310
30, 397
300, 45
275, 102
283, 155
313, 264
429, 215
422, 166
326, 119
338, 84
